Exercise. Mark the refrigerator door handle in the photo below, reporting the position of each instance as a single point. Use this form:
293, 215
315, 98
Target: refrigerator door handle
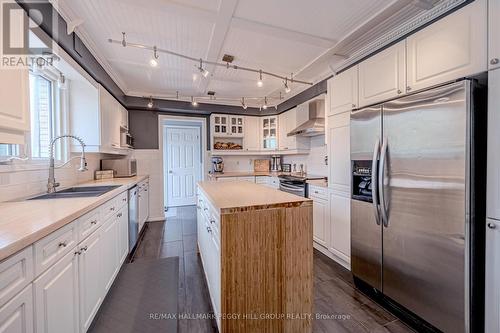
376, 154
381, 175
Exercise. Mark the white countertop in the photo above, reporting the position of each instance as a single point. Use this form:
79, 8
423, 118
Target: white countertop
22, 223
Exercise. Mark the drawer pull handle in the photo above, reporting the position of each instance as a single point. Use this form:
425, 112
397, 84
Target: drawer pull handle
208, 229
85, 248
112, 208
93, 222
212, 221
491, 225
205, 209
119, 215
124, 199
77, 253
316, 192
62, 244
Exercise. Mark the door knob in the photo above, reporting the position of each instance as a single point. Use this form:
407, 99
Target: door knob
492, 225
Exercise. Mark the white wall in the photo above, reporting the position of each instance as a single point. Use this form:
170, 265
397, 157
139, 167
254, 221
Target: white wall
238, 163
314, 162
149, 163
21, 179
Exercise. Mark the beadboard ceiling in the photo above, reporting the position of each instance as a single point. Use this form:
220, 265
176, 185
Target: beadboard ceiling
281, 36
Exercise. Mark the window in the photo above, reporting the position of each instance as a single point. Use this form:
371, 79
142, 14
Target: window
9, 150
42, 115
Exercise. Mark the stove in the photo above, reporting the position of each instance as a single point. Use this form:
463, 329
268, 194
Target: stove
297, 183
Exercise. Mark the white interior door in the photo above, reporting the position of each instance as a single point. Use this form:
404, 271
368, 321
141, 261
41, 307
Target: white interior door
183, 165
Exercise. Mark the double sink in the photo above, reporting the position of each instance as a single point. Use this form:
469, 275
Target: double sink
77, 192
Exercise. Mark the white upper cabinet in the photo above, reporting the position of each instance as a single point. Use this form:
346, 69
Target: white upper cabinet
269, 133
383, 76
448, 49
344, 91
251, 140
288, 121
228, 126
339, 152
111, 119
14, 105
494, 34
236, 126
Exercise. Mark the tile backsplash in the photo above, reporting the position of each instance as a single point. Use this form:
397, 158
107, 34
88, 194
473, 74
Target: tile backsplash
20, 180
314, 162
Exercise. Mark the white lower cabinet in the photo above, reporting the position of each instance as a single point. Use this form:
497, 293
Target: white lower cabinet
320, 215
123, 234
340, 227
110, 251
16, 316
56, 297
90, 282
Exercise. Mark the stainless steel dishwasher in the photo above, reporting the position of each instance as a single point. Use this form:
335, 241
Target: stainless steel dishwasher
133, 217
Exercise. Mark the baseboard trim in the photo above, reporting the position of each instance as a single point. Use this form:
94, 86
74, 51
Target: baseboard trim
333, 256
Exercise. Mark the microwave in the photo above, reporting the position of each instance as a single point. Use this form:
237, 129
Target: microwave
124, 167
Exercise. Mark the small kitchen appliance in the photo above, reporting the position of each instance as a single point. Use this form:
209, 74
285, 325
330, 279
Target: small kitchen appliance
124, 167
217, 164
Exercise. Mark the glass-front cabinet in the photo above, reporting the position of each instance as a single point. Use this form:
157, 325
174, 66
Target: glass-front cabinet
269, 133
220, 125
228, 126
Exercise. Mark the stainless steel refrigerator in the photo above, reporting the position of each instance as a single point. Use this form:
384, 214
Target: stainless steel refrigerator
417, 180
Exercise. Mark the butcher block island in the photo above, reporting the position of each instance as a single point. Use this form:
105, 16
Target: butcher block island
256, 246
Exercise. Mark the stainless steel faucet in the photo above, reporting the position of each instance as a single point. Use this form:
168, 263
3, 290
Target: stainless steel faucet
52, 184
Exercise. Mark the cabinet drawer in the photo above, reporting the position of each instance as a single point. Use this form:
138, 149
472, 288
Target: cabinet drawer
50, 249
316, 192
113, 206
16, 272
262, 179
88, 223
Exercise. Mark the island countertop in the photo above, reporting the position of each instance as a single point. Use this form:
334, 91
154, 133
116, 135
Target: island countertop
242, 195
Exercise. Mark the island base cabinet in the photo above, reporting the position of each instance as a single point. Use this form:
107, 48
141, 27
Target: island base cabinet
16, 316
56, 297
90, 279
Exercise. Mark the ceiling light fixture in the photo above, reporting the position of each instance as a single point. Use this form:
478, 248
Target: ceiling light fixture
260, 83
203, 71
228, 65
150, 103
154, 61
287, 88
243, 103
265, 103
193, 102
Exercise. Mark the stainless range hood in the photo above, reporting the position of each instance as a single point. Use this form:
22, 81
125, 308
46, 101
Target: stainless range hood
316, 123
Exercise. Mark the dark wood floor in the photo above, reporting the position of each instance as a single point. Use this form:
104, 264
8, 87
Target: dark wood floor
339, 305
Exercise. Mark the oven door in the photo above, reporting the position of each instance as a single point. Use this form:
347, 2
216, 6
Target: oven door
293, 188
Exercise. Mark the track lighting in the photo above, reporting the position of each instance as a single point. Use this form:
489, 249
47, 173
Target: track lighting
193, 102
150, 104
203, 71
287, 88
265, 103
154, 60
243, 103
260, 83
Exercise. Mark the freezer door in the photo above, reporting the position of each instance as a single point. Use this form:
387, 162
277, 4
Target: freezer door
424, 162
366, 230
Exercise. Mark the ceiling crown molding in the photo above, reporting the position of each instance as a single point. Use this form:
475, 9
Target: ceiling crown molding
403, 30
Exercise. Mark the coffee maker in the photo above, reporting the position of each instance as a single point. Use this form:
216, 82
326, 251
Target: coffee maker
217, 164
276, 163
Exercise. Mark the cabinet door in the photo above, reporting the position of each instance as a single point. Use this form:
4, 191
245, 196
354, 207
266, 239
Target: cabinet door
123, 233
269, 130
110, 250
320, 214
383, 76
283, 130
220, 125
236, 126
448, 49
493, 183
90, 280
492, 301
344, 91
16, 316
339, 152
56, 297
340, 225
14, 105
494, 34
251, 140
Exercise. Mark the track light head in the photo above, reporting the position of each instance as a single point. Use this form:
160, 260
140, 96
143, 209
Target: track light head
260, 83
202, 70
193, 102
154, 60
287, 88
243, 103
150, 103
265, 103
